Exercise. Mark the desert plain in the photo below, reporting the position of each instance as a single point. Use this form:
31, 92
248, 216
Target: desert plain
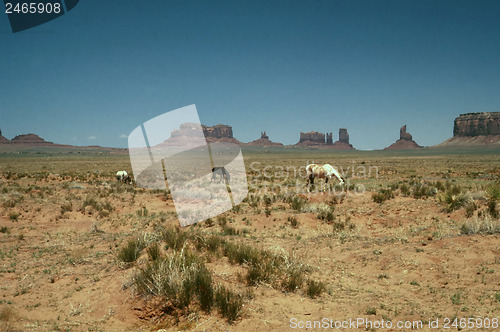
414, 237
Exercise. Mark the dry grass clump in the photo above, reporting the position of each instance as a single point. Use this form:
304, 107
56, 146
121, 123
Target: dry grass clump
485, 225
182, 280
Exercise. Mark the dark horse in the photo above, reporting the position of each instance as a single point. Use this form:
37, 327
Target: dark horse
222, 173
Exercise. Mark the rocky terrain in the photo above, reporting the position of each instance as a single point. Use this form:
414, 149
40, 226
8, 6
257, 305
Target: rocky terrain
264, 141
475, 129
405, 141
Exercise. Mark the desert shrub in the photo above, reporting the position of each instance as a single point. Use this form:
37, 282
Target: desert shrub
253, 200
405, 189
178, 278
470, 208
422, 190
4, 229
153, 251
440, 186
14, 215
315, 288
339, 225
91, 201
293, 222
260, 272
454, 198
484, 225
174, 238
240, 253
296, 202
130, 252
228, 303
383, 195
268, 200
492, 208
293, 280
326, 213
493, 197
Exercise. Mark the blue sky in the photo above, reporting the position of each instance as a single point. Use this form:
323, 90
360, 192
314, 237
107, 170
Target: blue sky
91, 76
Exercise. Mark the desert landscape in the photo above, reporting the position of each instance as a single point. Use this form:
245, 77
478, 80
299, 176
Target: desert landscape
413, 237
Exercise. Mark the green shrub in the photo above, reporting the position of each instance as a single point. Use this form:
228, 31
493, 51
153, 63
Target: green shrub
131, 251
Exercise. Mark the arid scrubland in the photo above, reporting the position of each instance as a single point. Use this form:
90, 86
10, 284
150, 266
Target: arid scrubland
414, 236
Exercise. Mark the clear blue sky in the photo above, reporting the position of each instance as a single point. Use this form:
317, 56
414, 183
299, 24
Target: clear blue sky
105, 67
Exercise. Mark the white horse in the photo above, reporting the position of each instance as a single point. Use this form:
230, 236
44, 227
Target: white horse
325, 172
122, 176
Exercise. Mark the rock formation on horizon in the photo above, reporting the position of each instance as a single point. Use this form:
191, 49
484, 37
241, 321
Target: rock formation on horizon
26, 139
3, 139
316, 139
217, 133
343, 142
263, 141
311, 138
472, 129
405, 141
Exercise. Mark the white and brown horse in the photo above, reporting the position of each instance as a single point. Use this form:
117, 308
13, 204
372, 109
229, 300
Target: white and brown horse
325, 172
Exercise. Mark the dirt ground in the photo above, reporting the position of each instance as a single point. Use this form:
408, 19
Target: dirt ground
425, 253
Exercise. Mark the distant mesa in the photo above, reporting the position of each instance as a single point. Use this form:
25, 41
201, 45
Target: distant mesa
320, 140
219, 133
30, 139
405, 141
191, 131
472, 129
26, 139
264, 142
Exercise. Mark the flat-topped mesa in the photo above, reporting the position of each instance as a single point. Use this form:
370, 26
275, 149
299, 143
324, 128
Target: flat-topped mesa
29, 139
477, 124
311, 137
218, 131
191, 131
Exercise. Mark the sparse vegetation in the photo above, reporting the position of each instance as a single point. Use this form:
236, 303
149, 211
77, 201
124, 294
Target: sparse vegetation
79, 234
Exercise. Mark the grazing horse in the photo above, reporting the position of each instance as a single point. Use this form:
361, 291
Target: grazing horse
122, 176
222, 172
325, 171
